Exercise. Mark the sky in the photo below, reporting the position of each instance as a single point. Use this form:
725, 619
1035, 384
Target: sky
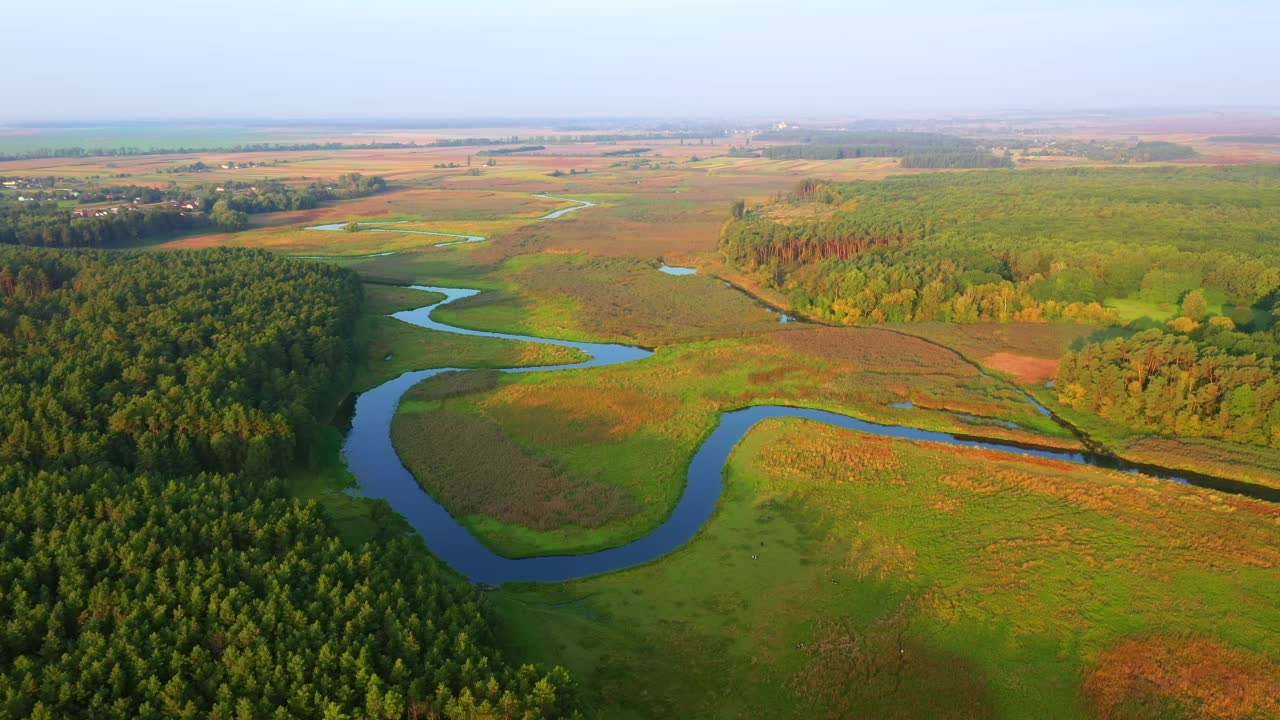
85, 60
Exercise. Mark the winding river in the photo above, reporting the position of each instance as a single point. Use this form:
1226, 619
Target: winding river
461, 239
372, 458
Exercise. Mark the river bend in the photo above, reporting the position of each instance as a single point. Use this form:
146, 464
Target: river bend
372, 458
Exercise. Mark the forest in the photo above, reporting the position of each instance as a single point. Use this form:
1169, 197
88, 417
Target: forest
1026, 245
48, 224
1064, 245
151, 563
956, 160
918, 149
1165, 382
1110, 151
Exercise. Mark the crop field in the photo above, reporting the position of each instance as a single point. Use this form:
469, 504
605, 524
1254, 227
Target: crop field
634, 427
851, 576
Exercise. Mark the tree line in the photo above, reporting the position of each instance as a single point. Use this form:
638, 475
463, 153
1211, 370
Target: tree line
48, 224
1159, 381
842, 144
1128, 151
513, 150
956, 160
151, 563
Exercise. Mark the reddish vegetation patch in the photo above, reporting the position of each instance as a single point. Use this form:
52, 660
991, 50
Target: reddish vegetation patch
1026, 369
829, 453
1036, 340
782, 374
556, 416
474, 467
1252, 464
876, 350
1160, 676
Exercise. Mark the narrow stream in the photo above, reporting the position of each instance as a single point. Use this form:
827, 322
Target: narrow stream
372, 458
462, 239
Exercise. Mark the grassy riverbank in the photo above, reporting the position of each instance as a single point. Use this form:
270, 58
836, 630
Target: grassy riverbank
621, 437
394, 347
845, 575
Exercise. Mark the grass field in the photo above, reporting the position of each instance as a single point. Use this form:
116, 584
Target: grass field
850, 576
394, 347
609, 299
634, 427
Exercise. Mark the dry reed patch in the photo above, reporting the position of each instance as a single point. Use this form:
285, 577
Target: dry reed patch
555, 415
1150, 508
1158, 676
1023, 367
796, 373
978, 340
473, 467
825, 453
876, 350
1253, 464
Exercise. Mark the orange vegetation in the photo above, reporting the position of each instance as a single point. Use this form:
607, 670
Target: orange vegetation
875, 350
1026, 369
1156, 676
557, 416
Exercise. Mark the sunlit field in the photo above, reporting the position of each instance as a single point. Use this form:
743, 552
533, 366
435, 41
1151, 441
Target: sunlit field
849, 576
842, 575
633, 428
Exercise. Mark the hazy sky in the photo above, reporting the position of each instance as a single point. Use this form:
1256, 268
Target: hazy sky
89, 59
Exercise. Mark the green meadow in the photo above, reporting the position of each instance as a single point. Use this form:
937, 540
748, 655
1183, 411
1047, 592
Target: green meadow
848, 576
